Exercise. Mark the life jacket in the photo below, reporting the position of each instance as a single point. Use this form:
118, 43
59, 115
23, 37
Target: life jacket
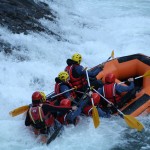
87, 110
79, 82
57, 91
38, 118
62, 119
109, 93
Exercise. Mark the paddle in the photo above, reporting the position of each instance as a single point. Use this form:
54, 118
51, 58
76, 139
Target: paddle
95, 115
112, 56
54, 135
19, 110
146, 74
24, 108
130, 120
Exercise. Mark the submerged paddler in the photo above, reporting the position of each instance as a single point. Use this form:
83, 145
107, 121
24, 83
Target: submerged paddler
41, 116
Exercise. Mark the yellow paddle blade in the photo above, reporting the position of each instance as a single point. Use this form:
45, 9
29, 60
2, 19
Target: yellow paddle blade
146, 74
133, 122
112, 54
19, 110
95, 117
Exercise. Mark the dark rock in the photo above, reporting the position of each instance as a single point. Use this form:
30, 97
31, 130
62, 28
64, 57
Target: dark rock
22, 16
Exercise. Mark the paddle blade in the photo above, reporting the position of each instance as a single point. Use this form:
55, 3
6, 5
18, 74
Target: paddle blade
147, 74
133, 122
112, 54
95, 117
54, 135
19, 110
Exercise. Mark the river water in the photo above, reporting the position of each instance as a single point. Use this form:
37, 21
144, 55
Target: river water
94, 29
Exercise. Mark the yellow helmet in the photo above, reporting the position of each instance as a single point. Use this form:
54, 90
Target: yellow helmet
77, 57
63, 76
43, 96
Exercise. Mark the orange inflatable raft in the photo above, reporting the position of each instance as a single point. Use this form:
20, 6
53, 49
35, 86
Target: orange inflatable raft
132, 66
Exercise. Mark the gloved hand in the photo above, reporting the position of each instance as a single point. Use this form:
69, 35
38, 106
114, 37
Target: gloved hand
90, 93
75, 87
110, 105
74, 107
131, 79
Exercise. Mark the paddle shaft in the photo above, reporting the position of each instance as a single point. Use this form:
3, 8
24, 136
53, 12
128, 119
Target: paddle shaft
138, 77
121, 113
134, 79
22, 109
60, 93
112, 55
95, 115
130, 120
89, 85
146, 74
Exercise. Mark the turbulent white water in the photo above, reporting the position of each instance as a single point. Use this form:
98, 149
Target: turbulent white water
94, 29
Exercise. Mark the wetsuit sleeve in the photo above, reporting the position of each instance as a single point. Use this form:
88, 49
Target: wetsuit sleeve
81, 71
100, 90
63, 88
121, 88
27, 120
53, 109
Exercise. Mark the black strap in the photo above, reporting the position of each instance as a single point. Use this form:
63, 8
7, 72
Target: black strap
115, 102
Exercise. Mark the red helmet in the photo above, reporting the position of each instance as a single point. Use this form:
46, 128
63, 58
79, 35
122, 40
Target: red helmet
36, 97
65, 102
110, 78
96, 98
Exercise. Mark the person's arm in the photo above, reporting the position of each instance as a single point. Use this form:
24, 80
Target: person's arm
63, 88
53, 109
100, 90
81, 71
121, 88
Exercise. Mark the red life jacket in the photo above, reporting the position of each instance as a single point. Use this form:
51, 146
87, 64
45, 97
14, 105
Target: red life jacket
78, 82
37, 116
87, 110
110, 93
62, 119
57, 91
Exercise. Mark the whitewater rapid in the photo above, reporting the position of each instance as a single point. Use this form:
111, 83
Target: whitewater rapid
92, 28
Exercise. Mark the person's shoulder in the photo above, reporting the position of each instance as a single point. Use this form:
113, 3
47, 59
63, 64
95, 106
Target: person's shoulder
70, 62
79, 66
63, 84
